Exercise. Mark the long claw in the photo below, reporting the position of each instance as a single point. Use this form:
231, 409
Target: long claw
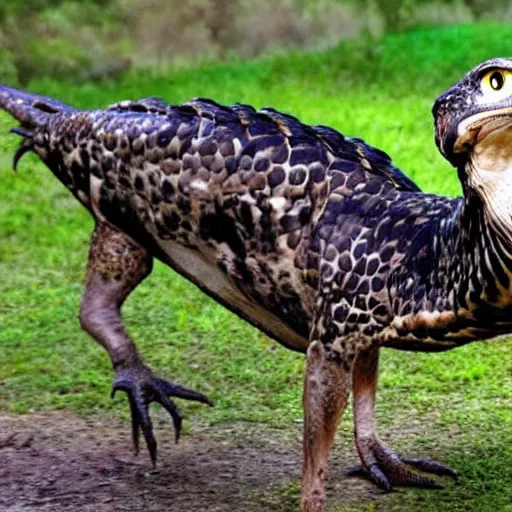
373, 473
144, 420
140, 416
142, 389
171, 408
431, 466
386, 469
178, 391
357, 471
412, 479
23, 132
135, 424
379, 478
24, 148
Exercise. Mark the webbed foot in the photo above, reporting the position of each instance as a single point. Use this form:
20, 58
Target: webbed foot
142, 388
387, 469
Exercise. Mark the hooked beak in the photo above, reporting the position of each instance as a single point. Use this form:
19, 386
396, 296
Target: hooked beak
474, 129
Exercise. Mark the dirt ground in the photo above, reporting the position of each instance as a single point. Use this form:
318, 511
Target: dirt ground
61, 462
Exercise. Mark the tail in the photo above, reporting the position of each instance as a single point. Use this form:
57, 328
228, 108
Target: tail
33, 112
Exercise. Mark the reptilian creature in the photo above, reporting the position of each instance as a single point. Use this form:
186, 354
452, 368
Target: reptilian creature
313, 237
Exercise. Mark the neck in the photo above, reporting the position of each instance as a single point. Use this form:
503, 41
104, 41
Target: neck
486, 225
481, 260
459, 286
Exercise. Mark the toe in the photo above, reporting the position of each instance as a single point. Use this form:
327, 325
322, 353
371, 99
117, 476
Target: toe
171, 408
386, 469
356, 471
139, 413
135, 425
403, 476
171, 389
378, 476
143, 388
431, 466
142, 415
372, 473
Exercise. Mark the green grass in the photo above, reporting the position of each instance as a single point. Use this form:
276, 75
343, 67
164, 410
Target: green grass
382, 93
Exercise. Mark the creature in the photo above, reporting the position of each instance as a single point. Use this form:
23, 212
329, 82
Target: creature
312, 237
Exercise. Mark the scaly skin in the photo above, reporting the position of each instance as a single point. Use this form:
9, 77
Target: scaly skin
312, 237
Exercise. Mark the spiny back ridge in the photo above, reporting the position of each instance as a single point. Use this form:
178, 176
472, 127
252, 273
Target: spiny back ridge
268, 121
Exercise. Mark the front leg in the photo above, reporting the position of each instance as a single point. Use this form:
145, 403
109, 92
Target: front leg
115, 267
379, 463
326, 391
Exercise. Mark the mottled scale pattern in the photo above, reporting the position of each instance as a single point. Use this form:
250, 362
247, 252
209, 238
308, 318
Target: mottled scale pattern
241, 185
304, 232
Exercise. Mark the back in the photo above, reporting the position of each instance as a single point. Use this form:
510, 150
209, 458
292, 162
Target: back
228, 196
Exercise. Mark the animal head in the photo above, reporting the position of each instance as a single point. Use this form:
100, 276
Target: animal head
473, 128
475, 112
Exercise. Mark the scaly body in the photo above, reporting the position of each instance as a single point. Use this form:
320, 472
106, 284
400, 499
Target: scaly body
313, 237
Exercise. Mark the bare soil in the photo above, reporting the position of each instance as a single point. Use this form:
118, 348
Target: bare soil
61, 462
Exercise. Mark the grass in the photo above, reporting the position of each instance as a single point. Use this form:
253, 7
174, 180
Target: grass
382, 93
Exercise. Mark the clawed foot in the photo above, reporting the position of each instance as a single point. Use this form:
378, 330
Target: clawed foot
142, 388
386, 469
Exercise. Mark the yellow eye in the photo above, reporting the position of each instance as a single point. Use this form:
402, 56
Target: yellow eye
496, 80
497, 84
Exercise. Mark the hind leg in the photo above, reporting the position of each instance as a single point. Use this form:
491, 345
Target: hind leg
115, 267
379, 463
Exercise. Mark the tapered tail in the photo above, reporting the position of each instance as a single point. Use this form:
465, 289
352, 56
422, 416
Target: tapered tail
33, 112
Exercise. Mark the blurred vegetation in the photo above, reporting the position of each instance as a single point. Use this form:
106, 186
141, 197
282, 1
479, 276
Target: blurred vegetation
96, 39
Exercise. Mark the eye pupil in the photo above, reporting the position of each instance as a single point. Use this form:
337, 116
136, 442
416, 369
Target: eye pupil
497, 80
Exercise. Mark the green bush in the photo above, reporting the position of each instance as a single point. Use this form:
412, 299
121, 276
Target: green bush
97, 39
71, 41
8, 71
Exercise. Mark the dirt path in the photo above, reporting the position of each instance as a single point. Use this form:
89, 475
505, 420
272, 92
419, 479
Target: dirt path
60, 462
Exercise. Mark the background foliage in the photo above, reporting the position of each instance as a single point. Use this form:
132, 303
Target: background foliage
379, 85
91, 39
453, 406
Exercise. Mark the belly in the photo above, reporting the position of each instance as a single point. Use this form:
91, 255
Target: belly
200, 266
252, 277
